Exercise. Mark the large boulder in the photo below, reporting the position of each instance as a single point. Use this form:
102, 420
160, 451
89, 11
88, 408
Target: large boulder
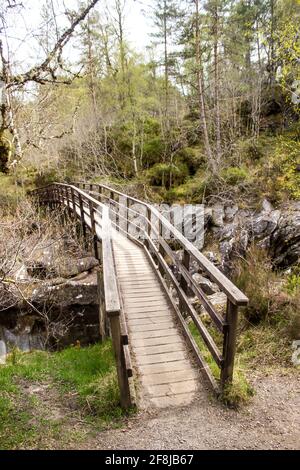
285, 240
205, 284
78, 291
69, 267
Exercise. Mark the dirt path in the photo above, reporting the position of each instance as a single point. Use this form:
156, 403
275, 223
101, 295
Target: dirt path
270, 421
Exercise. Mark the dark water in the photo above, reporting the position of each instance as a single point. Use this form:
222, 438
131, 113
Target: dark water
28, 332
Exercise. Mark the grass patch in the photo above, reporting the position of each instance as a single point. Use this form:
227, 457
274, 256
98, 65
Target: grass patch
240, 391
43, 396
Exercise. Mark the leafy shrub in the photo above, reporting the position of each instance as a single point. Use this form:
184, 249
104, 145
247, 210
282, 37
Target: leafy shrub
268, 300
45, 178
153, 150
193, 157
193, 190
285, 162
165, 174
255, 277
234, 175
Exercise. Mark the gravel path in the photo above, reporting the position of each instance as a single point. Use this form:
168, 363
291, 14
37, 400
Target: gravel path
270, 421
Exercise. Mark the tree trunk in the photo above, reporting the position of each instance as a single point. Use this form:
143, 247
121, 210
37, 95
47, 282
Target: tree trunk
200, 89
217, 86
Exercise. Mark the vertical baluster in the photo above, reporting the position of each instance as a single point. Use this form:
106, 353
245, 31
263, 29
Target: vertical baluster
93, 229
229, 345
82, 216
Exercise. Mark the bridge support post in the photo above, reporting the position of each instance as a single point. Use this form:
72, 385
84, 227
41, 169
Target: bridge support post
93, 229
229, 345
82, 217
183, 283
123, 381
101, 302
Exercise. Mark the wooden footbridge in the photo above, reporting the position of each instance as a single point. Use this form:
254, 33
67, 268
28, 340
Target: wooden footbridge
145, 307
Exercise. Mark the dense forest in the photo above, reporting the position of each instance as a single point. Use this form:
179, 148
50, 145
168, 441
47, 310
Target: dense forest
173, 102
211, 108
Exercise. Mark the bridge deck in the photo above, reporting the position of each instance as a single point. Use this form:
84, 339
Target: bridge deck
165, 371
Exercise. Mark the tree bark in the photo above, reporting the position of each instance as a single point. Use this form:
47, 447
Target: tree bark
200, 89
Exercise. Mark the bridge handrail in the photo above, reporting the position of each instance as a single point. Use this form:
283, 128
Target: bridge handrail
162, 256
227, 286
74, 199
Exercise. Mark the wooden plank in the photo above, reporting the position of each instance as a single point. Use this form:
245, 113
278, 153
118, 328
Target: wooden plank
152, 326
144, 302
188, 386
170, 377
161, 348
140, 283
161, 358
148, 321
142, 342
153, 334
143, 315
140, 277
144, 306
142, 294
163, 367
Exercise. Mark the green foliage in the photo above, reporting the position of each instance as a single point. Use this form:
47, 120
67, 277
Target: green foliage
167, 174
293, 283
255, 277
4, 153
234, 175
268, 303
153, 150
239, 392
10, 194
81, 380
47, 177
285, 163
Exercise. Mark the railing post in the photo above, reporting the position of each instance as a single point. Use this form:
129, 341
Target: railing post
73, 203
186, 264
148, 226
183, 283
82, 216
93, 229
101, 300
114, 318
127, 216
160, 248
229, 345
69, 200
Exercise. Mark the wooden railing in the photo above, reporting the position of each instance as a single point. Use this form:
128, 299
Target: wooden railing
160, 252
94, 216
89, 201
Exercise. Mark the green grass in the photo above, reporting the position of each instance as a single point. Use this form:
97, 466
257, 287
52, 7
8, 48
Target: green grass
80, 382
240, 391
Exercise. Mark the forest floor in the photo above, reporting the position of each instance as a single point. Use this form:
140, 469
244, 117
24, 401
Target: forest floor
271, 420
